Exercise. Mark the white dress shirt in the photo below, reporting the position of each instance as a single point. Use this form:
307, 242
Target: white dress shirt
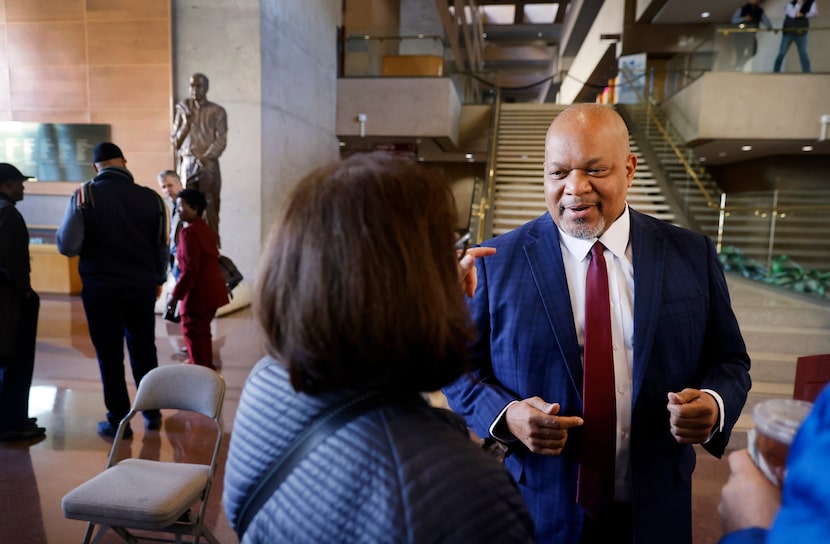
791, 10
576, 255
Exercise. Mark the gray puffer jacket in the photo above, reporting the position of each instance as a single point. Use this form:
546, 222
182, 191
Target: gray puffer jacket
396, 474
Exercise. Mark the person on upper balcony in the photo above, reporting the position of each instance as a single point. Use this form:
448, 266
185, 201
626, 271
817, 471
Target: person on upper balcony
749, 18
796, 22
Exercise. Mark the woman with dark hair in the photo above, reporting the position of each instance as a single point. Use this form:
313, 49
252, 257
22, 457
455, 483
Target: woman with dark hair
201, 287
359, 291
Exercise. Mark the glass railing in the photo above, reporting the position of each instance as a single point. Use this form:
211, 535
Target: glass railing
724, 48
779, 237
728, 48
478, 209
391, 54
682, 175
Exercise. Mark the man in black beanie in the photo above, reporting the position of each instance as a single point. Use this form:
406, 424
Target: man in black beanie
18, 318
120, 231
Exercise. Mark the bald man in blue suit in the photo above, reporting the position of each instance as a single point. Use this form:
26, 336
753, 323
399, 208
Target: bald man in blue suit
681, 371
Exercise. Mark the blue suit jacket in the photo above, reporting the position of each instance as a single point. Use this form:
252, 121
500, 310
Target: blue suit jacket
685, 335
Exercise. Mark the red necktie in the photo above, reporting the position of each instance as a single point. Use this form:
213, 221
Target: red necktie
595, 488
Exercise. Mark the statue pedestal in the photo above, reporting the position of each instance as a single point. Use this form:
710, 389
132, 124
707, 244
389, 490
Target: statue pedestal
241, 298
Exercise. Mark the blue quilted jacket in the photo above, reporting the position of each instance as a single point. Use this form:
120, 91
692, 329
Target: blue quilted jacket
396, 474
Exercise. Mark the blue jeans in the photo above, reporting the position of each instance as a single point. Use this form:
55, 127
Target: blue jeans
800, 39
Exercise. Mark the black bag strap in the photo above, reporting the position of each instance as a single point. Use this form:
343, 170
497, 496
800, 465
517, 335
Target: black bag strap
320, 429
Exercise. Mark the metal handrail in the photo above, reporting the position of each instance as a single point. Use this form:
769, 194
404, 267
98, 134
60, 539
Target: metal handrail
667, 138
775, 209
395, 37
490, 178
710, 202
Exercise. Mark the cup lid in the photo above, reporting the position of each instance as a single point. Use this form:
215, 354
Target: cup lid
780, 418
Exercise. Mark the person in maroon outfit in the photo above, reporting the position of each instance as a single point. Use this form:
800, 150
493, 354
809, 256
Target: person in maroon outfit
201, 287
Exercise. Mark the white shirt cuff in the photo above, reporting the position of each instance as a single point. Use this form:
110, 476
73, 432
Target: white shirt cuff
721, 414
502, 437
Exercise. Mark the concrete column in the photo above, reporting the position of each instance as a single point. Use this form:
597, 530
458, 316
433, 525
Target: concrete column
272, 65
421, 17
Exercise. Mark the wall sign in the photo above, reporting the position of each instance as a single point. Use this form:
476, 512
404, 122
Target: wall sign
51, 151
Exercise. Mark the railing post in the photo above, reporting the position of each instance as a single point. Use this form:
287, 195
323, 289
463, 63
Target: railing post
651, 84
490, 179
721, 222
774, 214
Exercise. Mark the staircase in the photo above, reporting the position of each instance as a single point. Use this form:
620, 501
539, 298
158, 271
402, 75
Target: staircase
749, 224
518, 193
778, 328
691, 202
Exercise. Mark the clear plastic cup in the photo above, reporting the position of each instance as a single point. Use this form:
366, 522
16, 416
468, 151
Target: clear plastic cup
776, 423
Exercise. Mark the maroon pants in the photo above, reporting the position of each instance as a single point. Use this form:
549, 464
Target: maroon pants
197, 338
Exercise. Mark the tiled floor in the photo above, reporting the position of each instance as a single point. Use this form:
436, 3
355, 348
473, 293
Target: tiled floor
66, 398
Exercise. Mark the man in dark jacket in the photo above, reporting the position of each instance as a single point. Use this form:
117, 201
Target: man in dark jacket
120, 231
749, 18
18, 317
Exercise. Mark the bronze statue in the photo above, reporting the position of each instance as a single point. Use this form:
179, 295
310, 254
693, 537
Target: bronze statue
199, 137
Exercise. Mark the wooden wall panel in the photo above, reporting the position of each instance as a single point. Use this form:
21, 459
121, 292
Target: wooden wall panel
146, 166
44, 10
46, 43
131, 42
120, 10
92, 61
48, 88
128, 87
144, 131
37, 116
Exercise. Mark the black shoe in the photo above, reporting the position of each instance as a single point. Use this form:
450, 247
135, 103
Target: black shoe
153, 424
105, 428
23, 434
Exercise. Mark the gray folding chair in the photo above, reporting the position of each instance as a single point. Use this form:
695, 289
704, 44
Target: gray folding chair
155, 495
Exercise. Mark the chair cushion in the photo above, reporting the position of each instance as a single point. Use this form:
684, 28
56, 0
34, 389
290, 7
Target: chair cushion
137, 493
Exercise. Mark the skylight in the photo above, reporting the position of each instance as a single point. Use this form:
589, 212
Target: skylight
541, 13
505, 14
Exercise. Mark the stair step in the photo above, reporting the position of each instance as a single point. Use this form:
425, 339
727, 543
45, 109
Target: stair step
796, 340
794, 317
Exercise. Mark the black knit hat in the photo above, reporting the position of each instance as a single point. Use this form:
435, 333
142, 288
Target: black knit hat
11, 173
106, 151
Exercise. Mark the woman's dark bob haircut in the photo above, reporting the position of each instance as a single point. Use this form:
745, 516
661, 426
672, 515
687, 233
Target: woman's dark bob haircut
358, 284
195, 199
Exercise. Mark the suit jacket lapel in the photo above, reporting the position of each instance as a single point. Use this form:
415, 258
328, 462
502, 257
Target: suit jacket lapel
648, 251
544, 257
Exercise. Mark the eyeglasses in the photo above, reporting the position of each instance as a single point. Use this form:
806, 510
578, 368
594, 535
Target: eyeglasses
462, 243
